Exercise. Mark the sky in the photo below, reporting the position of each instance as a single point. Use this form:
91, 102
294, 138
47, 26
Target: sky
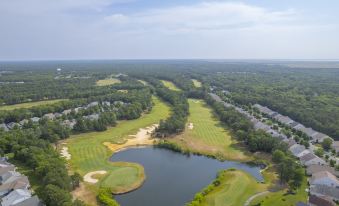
168, 29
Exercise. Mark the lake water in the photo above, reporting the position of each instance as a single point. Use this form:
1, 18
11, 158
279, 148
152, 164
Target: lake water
172, 179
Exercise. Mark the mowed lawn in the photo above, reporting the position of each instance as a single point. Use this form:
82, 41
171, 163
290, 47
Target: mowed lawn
30, 104
170, 85
107, 82
281, 198
236, 187
197, 83
89, 154
207, 135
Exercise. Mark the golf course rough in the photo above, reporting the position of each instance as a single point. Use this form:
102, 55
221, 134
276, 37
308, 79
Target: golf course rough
89, 153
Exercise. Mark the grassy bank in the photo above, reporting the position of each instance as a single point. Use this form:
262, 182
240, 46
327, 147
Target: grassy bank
30, 104
89, 154
282, 197
231, 187
204, 134
170, 85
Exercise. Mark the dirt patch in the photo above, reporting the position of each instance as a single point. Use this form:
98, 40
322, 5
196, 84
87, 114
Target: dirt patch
142, 138
190, 126
64, 153
89, 176
84, 194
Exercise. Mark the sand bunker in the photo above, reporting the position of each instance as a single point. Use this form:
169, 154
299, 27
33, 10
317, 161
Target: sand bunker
142, 138
190, 125
65, 154
88, 177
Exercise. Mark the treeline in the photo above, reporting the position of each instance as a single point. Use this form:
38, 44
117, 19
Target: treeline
177, 120
138, 101
242, 128
289, 170
105, 119
105, 198
308, 96
32, 151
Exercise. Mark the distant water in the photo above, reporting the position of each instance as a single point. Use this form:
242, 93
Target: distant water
172, 179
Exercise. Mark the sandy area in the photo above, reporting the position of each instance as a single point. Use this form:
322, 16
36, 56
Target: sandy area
64, 153
190, 125
88, 177
142, 138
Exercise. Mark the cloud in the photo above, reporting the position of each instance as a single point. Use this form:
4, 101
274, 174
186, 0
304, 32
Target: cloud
202, 16
81, 29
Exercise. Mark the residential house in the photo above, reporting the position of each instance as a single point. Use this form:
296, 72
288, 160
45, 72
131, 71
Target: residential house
57, 115
20, 183
296, 149
306, 151
69, 123
92, 117
294, 124
319, 137
283, 119
32, 201
15, 197
302, 204
49, 116
106, 103
335, 146
320, 201
261, 126
290, 142
23, 122
308, 131
12, 125
323, 190
35, 119
4, 127
67, 111
76, 110
227, 104
324, 178
92, 104
9, 176
214, 97
264, 110
320, 168
311, 159
299, 127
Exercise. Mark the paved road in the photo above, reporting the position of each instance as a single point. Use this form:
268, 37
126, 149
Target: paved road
247, 203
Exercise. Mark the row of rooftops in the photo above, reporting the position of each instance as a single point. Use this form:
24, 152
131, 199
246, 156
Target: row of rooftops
14, 187
324, 183
53, 116
314, 135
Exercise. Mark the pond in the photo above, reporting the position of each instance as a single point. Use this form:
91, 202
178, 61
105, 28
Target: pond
172, 179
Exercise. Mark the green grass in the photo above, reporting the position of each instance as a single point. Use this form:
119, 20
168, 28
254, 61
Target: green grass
107, 82
208, 136
281, 198
197, 83
89, 154
30, 104
170, 85
235, 188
